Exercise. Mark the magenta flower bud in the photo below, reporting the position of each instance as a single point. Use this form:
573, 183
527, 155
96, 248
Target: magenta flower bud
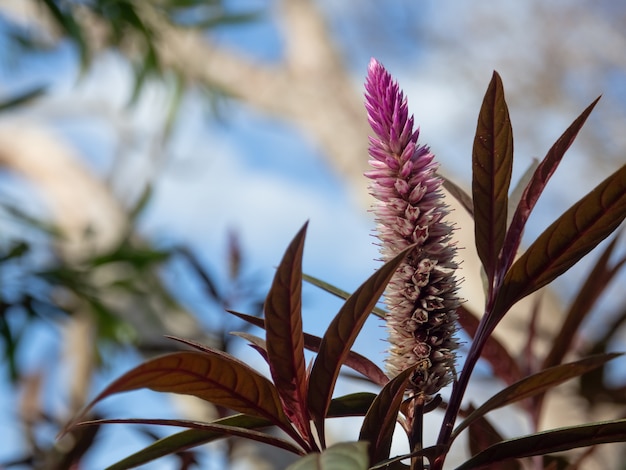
422, 296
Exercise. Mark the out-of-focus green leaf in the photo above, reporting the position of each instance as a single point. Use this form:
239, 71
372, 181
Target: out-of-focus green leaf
381, 418
564, 243
492, 163
344, 456
340, 336
17, 250
337, 292
284, 335
535, 384
546, 442
210, 375
536, 186
67, 23
22, 99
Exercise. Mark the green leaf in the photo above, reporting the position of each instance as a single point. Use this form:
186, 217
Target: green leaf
344, 456
564, 243
186, 440
210, 375
492, 163
556, 440
22, 98
536, 384
340, 336
284, 335
67, 23
381, 418
354, 404
536, 186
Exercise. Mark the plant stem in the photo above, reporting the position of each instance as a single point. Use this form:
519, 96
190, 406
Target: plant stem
416, 433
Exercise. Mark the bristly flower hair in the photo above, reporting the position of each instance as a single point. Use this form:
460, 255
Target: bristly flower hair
422, 296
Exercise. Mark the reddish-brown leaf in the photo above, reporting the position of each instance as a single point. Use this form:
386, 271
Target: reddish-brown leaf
340, 336
564, 243
536, 186
355, 361
492, 163
284, 336
380, 420
210, 375
547, 442
186, 440
536, 384
598, 279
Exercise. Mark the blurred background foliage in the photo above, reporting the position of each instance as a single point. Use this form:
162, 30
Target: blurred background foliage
107, 289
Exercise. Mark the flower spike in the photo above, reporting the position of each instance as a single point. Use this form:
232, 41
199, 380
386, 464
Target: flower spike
422, 296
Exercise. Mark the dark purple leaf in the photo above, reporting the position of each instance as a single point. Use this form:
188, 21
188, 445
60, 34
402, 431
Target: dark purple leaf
536, 186
340, 336
564, 243
547, 442
284, 336
492, 163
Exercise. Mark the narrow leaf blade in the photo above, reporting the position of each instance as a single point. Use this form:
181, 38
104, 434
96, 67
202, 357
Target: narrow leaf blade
186, 440
492, 163
380, 420
535, 384
340, 336
547, 442
565, 242
211, 375
284, 335
537, 184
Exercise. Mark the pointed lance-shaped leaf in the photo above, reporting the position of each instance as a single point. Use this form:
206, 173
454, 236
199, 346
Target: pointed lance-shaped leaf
580, 229
546, 442
355, 361
492, 164
186, 440
211, 375
220, 429
536, 384
340, 336
381, 418
536, 186
284, 335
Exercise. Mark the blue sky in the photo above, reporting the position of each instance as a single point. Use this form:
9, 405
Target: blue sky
262, 178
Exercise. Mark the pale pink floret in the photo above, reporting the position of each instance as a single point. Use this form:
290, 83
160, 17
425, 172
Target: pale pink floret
422, 296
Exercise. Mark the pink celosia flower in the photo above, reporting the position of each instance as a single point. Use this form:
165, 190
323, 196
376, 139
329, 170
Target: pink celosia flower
422, 296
